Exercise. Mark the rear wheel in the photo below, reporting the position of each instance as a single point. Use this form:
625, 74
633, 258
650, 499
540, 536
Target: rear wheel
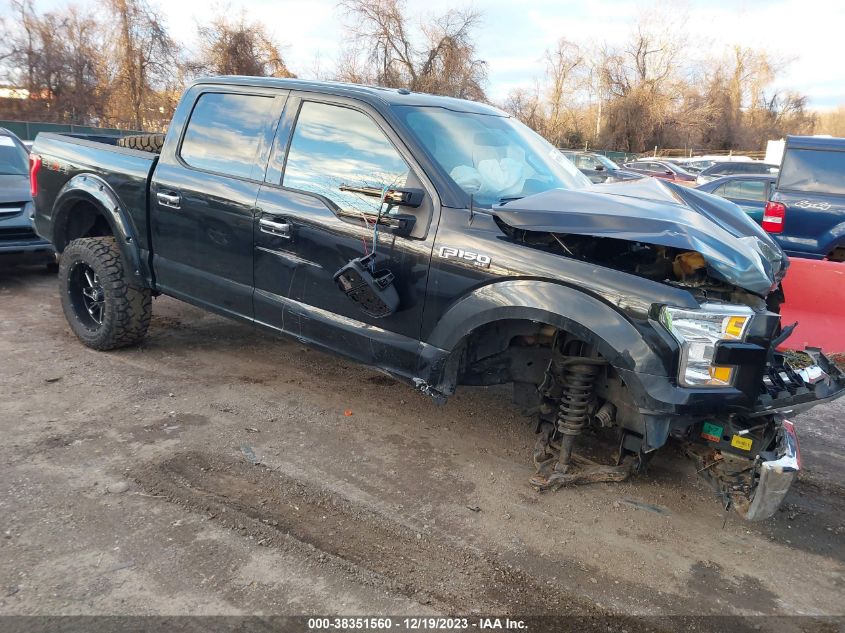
103, 309
837, 254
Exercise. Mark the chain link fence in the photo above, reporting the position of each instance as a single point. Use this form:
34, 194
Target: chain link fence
27, 131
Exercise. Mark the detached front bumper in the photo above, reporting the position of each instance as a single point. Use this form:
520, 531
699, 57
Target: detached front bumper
773, 477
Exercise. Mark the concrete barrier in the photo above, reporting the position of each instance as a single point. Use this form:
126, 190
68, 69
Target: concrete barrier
815, 297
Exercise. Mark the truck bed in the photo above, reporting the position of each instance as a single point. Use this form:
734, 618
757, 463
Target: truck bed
116, 170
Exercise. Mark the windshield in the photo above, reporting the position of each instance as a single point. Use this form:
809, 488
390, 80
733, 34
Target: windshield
678, 169
604, 160
493, 158
14, 160
813, 171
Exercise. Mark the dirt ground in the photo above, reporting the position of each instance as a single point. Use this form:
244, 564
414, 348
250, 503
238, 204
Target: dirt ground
213, 470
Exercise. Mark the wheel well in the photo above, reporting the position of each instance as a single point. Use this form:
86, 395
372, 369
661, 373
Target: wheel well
837, 254
519, 352
82, 219
503, 351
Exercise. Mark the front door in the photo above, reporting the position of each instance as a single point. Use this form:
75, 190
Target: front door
203, 200
310, 225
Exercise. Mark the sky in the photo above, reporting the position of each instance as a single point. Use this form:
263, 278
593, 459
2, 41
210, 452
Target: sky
514, 35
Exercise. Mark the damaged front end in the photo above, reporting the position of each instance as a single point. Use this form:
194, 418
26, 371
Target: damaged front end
706, 246
754, 487
751, 458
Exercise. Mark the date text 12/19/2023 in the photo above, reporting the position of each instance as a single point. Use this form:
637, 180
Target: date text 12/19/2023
414, 623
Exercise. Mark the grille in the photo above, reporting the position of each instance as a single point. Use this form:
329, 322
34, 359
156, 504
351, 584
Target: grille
9, 210
17, 233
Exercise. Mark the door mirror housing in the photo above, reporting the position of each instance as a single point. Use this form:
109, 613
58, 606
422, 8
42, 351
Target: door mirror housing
400, 224
403, 197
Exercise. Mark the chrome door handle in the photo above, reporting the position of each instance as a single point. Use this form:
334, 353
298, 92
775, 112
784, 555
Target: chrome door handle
172, 200
279, 229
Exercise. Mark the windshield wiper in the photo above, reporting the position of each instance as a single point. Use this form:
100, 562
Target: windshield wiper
510, 199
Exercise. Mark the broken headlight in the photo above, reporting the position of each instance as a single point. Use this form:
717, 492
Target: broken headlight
698, 331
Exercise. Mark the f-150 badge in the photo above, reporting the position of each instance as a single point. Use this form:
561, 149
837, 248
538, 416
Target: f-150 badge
447, 252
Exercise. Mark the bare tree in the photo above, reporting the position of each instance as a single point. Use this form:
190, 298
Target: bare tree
438, 57
145, 62
641, 83
525, 106
238, 47
832, 122
562, 67
56, 57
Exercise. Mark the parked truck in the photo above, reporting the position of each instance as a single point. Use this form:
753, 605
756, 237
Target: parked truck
806, 211
446, 244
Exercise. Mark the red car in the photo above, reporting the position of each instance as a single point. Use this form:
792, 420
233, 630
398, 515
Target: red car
662, 169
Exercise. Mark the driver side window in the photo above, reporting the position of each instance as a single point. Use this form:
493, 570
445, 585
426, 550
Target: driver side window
333, 146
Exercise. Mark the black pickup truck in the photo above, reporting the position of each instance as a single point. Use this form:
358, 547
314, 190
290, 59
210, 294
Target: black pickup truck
447, 244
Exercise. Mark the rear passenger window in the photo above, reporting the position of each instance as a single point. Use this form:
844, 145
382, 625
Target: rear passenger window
333, 146
752, 190
225, 132
813, 171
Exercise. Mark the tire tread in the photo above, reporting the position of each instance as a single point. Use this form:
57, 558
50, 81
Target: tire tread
131, 304
144, 142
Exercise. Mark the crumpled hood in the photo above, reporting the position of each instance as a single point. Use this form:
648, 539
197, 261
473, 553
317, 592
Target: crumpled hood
652, 211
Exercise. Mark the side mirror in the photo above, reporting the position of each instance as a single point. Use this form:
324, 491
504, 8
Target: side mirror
668, 172
599, 167
400, 197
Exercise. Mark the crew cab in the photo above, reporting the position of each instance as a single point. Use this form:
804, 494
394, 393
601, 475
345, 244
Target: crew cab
446, 244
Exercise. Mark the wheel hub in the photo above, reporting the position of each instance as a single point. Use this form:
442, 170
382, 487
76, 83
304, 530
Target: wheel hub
87, 294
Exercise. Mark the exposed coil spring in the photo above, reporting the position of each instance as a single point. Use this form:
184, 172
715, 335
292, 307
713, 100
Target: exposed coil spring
577, 394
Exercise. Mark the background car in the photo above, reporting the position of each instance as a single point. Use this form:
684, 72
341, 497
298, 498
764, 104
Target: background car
736, 168
661, 169
598, 168
750, 192
18, 240
695, 165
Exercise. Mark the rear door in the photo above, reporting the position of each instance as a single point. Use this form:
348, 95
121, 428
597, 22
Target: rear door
203, 198
309, 225
811, 185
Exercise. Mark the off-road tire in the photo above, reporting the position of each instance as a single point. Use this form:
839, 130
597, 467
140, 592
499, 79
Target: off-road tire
126, 308
144, 142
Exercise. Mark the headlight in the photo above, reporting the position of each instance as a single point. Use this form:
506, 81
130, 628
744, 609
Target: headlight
698, 331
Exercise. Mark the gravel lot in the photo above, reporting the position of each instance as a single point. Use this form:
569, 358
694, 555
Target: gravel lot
213, 470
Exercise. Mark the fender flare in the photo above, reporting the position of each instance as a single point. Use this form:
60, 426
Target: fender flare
615, 336
96, 191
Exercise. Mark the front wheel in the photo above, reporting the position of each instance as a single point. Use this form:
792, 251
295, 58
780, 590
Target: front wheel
103, 309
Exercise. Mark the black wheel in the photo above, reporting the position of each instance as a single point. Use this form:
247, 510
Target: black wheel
837, 254
144, 142
103, 309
